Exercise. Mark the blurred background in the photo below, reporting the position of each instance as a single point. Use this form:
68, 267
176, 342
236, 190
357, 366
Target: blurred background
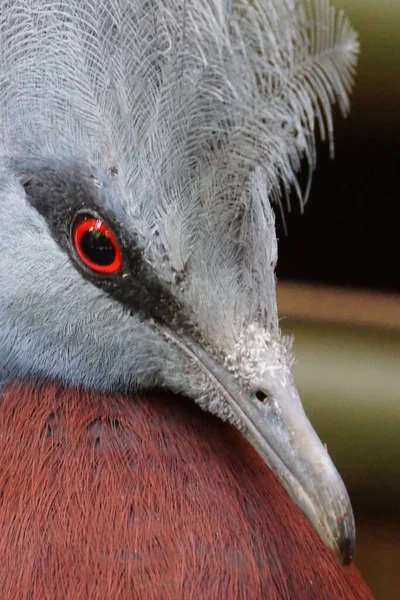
339, 293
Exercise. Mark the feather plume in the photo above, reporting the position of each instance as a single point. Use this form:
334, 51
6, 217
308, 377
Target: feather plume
205, 107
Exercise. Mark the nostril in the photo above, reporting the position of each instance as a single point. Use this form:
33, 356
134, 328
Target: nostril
261, 395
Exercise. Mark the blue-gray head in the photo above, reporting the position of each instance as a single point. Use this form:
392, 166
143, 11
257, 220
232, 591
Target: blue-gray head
142, 144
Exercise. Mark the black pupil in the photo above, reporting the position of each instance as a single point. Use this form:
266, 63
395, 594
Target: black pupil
98, 248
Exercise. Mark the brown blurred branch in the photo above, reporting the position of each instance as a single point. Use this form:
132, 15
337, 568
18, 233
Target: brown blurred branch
338, 305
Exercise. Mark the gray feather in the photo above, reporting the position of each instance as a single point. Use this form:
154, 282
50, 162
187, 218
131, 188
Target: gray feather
206, 109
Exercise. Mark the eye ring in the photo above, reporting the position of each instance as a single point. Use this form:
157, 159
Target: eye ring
96, 245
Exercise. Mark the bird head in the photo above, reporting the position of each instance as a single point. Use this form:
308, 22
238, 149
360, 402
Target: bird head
142, 147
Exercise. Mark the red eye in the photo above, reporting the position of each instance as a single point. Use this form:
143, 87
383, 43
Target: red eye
97, 246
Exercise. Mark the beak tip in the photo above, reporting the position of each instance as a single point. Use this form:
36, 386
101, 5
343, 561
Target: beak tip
346, 550
337, 529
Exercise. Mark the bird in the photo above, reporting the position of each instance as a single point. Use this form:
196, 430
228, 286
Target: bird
153, 443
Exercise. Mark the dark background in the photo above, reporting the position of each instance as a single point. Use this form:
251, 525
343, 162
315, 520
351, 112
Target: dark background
349, 232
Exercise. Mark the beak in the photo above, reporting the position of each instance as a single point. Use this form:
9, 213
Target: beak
280, 432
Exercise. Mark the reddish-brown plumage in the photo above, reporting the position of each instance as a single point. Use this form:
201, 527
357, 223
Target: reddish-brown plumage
147, 498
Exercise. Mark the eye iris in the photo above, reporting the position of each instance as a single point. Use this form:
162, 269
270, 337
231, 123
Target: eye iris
98, 248
96, 245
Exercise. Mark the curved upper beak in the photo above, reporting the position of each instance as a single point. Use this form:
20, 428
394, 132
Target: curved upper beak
277, 427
